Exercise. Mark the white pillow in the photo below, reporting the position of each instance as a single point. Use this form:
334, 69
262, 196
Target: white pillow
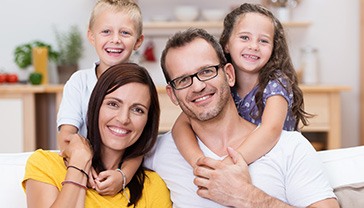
344, 166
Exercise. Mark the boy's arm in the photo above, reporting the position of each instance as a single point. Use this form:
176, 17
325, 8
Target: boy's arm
185, 140
263, 139
130, 166
64, 134
110, 182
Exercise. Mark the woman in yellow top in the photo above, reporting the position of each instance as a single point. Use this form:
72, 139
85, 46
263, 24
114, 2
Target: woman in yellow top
122, 123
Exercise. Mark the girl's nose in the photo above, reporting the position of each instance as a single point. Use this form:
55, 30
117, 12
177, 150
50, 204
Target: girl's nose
254, 46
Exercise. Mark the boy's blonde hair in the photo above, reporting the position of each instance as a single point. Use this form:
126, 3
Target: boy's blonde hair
127, 6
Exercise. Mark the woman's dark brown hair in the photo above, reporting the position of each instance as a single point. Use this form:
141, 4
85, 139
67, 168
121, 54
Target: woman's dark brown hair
113, 78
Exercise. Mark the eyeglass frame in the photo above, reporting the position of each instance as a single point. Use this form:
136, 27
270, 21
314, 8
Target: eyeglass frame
216, 67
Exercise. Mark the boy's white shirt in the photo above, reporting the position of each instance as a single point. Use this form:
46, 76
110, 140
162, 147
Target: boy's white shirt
75, 100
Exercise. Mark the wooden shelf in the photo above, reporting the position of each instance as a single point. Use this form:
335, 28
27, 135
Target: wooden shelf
182, 25
28, 88
215, 27
296, 24
204, 24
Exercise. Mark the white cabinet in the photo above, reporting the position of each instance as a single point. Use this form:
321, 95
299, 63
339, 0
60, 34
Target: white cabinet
27, 117
11, 125
17, 122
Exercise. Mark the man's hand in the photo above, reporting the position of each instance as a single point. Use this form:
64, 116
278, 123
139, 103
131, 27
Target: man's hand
230, 184
222, 182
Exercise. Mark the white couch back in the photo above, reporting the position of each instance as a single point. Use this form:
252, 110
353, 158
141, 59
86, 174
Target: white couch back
12, 167
343, 166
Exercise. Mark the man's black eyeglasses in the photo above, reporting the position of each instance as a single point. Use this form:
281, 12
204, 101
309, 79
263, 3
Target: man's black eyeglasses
204, 74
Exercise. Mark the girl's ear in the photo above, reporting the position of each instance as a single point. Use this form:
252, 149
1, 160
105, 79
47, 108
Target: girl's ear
230, 74
171, 94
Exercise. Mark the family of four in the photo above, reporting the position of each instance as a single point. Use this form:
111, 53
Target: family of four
227, 148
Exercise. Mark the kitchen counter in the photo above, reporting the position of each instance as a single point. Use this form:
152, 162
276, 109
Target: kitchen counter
27, 88
28, 114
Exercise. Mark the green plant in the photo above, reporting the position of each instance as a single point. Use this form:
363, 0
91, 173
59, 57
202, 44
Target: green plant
70, 46
23, 53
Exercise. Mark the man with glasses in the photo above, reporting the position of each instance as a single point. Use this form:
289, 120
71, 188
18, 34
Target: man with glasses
204, 74
199, 81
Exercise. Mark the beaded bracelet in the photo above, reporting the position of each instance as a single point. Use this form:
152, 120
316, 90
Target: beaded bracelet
79, 169
124, 183
74, 183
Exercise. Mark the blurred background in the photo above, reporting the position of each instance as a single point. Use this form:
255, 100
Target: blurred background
331, 27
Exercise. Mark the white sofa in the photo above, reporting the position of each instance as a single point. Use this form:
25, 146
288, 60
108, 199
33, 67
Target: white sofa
344, 167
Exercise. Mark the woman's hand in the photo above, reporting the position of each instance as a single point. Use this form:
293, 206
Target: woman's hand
78, 152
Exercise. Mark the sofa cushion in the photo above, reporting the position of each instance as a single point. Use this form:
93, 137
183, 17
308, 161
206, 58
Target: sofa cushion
350, 195
12, 168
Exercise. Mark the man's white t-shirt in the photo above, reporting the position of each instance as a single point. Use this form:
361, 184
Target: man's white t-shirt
291, 172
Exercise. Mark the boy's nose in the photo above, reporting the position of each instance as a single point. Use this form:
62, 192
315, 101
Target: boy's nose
116, 38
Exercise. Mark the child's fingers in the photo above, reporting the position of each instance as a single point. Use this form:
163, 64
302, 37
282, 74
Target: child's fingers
91, 182
103, 184
105, 187
94, 174
104, 175
103, 181
236, 157
109, 182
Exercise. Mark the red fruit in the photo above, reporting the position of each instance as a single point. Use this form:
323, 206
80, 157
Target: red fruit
3, 78
12, 78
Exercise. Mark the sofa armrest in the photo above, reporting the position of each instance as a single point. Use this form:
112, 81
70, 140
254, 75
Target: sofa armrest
344, 166
12, 166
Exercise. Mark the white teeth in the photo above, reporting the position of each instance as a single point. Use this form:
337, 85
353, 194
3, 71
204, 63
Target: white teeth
113, 50
118, 131
251, 56
202, 98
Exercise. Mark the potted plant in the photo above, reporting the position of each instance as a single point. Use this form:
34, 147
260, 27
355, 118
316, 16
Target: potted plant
70, 47
23, 55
